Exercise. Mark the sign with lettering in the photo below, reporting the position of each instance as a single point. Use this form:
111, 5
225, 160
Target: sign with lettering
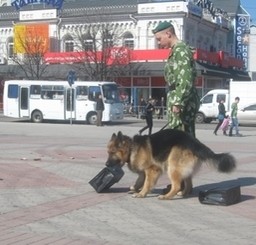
242, 27
18, 4
194, 9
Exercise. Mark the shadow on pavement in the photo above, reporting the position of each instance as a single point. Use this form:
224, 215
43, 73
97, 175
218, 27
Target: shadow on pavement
246, 181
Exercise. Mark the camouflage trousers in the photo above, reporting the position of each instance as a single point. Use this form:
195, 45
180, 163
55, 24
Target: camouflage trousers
185, 120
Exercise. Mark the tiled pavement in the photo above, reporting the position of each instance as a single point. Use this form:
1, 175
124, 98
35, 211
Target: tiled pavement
45, 197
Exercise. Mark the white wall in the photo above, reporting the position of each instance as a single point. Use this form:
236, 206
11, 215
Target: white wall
252, 52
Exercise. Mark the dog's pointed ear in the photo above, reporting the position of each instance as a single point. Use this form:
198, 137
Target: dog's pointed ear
113, 137
120, 135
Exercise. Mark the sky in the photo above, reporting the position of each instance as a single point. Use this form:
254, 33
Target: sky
250, 7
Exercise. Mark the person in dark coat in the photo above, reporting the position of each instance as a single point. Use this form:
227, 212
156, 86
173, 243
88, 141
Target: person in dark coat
221, 116
149, 108
99, 108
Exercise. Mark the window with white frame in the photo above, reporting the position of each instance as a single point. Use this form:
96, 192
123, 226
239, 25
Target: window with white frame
88, 42
107, 40
68, 44
128, 40
10, 47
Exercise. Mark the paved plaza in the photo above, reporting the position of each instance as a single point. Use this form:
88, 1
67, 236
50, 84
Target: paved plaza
45, 197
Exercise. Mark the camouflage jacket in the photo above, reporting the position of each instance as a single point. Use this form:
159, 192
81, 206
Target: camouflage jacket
180, 73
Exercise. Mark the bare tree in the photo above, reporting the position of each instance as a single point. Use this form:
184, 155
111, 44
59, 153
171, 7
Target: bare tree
100, 55
29, 52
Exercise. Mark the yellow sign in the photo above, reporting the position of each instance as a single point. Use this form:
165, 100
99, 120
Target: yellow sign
31, 39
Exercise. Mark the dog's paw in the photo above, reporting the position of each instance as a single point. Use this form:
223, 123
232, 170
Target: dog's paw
131, 191
180, 193
163, 197
138, 195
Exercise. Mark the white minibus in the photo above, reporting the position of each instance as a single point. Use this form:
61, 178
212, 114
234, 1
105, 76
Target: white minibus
57, 100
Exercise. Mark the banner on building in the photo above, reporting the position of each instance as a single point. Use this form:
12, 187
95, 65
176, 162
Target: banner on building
31, 39
18, 4
242, 38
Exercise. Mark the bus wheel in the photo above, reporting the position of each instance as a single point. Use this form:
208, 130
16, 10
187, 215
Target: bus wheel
37, 117
92, 118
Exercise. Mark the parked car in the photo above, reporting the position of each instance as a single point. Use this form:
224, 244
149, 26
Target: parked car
247, 115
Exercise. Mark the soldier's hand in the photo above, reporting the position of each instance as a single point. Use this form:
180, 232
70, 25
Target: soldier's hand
176, 109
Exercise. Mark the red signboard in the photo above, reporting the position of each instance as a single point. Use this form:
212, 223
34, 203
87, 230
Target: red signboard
203, 55
124, 81
234, 62
125, 56
224, 59
141, 81
157, 81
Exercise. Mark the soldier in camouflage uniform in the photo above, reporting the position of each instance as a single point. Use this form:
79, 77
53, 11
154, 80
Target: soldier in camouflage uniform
179, 72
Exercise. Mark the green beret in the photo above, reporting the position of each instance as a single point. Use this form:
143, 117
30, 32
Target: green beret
162, 26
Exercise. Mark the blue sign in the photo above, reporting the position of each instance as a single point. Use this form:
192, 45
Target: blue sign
242, 38
18, 4
71, 78
194, 9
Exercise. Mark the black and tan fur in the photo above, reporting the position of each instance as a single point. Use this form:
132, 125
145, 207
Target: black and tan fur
173, 151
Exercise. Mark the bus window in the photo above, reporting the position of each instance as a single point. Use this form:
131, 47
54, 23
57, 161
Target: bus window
58, 95
13, 91
52, 92
111, 93
94, 92
82, 92
35, 91
45, 95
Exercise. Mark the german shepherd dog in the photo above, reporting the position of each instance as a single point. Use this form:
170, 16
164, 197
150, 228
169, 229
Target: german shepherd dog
173, 151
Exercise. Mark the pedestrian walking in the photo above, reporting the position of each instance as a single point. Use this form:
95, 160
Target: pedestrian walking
99, 108
221, 116
234, 123
149, 108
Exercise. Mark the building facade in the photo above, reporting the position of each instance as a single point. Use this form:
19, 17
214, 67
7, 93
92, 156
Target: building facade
215, 33
252, 51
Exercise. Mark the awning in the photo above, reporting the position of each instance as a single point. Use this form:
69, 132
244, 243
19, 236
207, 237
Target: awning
211, 70
240, 75
60, 71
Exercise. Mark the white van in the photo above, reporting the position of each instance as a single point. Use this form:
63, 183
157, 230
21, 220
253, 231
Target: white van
208, 110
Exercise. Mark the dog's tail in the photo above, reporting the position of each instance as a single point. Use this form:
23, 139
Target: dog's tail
223, 162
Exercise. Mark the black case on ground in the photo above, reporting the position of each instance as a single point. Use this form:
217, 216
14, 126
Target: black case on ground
106, 178
221, 196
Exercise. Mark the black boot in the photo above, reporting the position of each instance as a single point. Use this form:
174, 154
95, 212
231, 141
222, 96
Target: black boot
230, 132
